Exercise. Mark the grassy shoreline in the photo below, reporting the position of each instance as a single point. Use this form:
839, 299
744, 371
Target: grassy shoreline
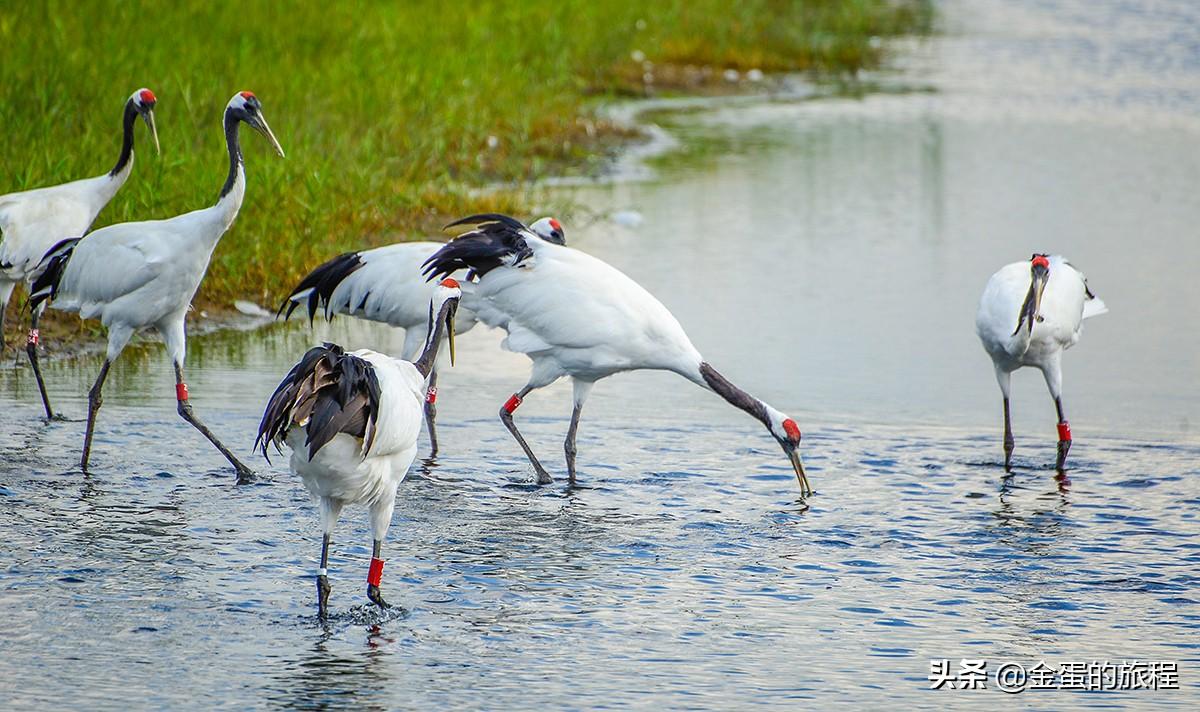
392, 115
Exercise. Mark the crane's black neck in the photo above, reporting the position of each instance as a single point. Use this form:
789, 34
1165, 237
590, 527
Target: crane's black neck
127, 140
424, 364
734, 395
235, 151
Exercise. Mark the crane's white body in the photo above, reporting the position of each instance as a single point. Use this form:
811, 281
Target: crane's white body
1018, 330
342, 473
389, 288
136, 275
1065, 304
576, 315
33, 221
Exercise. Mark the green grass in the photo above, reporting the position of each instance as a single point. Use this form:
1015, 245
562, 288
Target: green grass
385, 109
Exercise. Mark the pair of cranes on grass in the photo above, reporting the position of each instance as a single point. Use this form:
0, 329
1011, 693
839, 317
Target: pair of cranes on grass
352, 420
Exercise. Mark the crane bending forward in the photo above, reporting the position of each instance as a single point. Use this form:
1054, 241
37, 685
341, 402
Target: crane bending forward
132, 276
1046, 299
575, 315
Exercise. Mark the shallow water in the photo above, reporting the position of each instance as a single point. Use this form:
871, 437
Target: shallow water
826, 255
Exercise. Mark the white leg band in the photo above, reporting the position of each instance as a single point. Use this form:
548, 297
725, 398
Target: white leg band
322, 572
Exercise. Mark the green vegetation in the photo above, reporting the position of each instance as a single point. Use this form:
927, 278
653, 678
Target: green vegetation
392, 114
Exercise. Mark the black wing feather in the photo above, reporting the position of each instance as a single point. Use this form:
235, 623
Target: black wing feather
337, 391
495, 240
52, 266
322, 281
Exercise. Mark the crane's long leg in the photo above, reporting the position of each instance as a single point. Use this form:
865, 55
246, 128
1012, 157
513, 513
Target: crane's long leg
1053, 374
506, 417
244, 474
6, 290
31, 348
323, 587
431, 412
375, 575
1064, 436
1009, 444
94, 401
1004, 378
581, 391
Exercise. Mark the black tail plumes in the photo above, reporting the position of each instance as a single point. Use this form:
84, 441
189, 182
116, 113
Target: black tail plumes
328, 392
494, 240
54, 263
319, 285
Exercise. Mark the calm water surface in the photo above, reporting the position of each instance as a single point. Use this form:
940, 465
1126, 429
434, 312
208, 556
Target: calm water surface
827, 256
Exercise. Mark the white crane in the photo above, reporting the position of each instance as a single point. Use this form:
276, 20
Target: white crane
1030, 312
33, 221
575, 315
132, 276
385, 285
352, 421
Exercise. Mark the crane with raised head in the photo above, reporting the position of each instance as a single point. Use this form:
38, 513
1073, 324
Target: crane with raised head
133, 276
33, 221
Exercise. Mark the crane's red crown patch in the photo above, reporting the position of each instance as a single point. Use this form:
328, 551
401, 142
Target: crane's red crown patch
792, 430
147, 96
1040, 260
247, 94
451, 283
555, 224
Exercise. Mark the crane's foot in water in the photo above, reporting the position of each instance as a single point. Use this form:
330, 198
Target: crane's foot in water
376, 597
323, 589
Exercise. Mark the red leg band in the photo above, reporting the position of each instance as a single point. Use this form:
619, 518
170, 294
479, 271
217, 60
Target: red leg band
33, 337
511, 404
431, 395
1064, 431
181, 391
375, 573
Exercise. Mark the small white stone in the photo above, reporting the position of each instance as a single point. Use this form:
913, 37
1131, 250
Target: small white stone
731, 75
492, 142
755, 75
627, 218
250, 308
638, 56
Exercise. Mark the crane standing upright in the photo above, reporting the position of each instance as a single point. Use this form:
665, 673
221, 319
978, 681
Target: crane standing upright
1047, 299
132, 276
33, 221
352, 422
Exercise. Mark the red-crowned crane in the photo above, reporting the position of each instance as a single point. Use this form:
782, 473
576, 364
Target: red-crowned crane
385, 285
33, 221
1046, 300
132, 276
352, 421
575, 315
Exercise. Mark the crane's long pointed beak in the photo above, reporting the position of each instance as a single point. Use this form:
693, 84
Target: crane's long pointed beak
450, 336
148, 117
1033, 300
1039, 285
797, 465
260, 125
